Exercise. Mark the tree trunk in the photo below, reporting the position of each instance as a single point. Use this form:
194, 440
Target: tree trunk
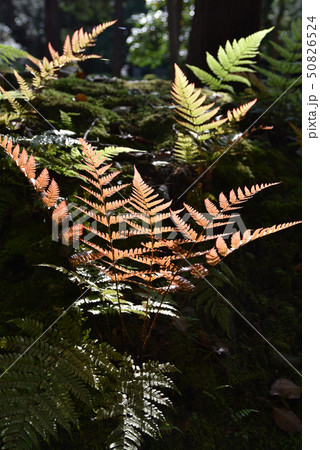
7, 13
174, 8
216, 21
53, 24
118, 40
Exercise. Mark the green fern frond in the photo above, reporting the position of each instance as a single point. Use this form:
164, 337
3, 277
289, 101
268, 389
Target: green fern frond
66, 119
284, 70
185, 149
36, 393
42, 377
234, 58
23, 87
8, 54
138, 403
190, 106
110, 152
12, 100
209, 304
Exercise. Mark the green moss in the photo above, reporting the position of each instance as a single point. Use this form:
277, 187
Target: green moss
51, 101
156, 126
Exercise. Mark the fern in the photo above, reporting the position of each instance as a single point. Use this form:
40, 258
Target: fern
109, 153
234, 58
44, 70
284, 71
242, 414
8, 54
190, 107
40, 384
197, 141
208, 303
38, 393
46, 188
158, 257
138, 403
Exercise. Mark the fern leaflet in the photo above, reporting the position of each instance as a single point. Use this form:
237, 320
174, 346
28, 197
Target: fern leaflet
234, 58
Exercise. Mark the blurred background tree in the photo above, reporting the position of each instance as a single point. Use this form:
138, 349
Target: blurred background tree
150, 34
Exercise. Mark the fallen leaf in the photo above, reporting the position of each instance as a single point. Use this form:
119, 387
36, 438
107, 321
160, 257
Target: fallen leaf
286, 388
81, 98
287, 420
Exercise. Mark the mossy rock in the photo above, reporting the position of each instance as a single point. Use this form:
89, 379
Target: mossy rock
50, 102
156, 127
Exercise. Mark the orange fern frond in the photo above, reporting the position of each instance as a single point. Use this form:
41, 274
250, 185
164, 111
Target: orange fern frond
51, 195
84, 257
42, 181
72, 234
238, 113
60, 213
72, 52
144, 199
221, 249
234, 201
185, 229
198, 217
27, 165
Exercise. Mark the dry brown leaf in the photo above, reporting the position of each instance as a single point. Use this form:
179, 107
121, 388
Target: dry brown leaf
286, 388
287, 420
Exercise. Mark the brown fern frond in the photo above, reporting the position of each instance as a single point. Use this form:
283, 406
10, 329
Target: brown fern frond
198, 270
94, 193
30, 168
94, 183
238, 113
60, 212
84, 257
54, 54
108, 192
177, 283
198, 217
81, 40
26, 163
104, 236
42, 181
234, 201
72, 234
144, 199
221, 249
98, 249
51, 195
185, 229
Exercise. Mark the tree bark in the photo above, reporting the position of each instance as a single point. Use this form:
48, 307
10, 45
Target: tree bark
174, 8
118, 40
217, 21
53, 24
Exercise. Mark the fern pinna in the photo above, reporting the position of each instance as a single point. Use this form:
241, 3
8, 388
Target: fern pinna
45, 70
232, 60
198, 134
